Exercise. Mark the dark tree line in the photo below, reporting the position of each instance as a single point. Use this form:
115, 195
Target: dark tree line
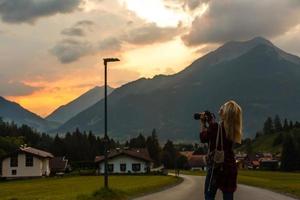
287, 136
82, 147
276, 125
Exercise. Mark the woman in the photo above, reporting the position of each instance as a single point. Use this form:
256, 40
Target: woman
222, 176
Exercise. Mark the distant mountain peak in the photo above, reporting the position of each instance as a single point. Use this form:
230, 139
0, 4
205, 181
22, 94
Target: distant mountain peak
252, 42
87, 99
230, 50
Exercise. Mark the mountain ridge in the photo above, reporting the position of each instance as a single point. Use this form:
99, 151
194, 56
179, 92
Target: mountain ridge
85, 100
168, 102
12, 111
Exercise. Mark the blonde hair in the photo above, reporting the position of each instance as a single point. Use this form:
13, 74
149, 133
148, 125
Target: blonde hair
232, 117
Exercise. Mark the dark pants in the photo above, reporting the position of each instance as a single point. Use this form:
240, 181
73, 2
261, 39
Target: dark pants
211, 188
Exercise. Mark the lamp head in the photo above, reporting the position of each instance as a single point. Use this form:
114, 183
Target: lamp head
106, 60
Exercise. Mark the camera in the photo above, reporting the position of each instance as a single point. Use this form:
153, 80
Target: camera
206, 115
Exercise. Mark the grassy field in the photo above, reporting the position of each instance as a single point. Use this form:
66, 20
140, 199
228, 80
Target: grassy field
282, 182
69, 188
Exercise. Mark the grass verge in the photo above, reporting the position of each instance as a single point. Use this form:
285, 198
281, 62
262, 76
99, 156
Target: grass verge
282, 182
74, 188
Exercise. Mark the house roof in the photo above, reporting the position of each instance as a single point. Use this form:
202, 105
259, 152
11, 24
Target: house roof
35, 152
58, 163
30, 150
141, 154
197, 161
187, 154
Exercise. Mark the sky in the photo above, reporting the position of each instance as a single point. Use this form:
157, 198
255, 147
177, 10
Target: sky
51, 51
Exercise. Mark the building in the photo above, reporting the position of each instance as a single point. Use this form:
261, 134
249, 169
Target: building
59, 165
195, 162
26, 162
126, 161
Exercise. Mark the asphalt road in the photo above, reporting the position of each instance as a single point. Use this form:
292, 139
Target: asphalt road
192, 189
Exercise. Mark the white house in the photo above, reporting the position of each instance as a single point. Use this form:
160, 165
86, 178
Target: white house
126, 161
26, 162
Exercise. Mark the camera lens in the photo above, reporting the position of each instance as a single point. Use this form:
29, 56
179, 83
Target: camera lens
197, 116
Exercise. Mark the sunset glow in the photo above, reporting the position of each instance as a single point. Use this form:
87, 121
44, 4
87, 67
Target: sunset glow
50, 57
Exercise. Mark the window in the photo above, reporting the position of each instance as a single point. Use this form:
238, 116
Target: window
110, 167
123, 167
29, 160
14, 161
13, 172
136, 167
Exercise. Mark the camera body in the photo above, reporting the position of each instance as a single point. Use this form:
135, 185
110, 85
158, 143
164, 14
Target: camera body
207, 116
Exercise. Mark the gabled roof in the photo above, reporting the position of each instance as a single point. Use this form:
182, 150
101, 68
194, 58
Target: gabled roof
32, 151
141, 154
35, 152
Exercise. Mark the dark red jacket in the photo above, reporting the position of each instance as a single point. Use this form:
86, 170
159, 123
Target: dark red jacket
227, 178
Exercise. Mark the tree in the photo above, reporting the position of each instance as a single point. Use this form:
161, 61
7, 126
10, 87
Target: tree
154, 148
289, 154
182, 162
277, 124
169, 155
268, 126
291, 125
258, 134
138, 142
285, 125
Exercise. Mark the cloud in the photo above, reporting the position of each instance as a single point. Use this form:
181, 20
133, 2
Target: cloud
110, 44
15, 88
85, 23
184, 4
73, 31
70, 50
150, 33
28, 11
237, 20
79, 29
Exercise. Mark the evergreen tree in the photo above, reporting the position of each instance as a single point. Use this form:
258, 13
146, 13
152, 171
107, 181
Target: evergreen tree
182, 162
291, 125
285, 125
277, 124
289, 154
268, 126
154, 148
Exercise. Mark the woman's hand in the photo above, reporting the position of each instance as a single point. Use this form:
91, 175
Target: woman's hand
203, 121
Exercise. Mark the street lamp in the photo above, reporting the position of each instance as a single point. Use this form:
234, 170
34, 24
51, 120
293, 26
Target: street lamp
106, 60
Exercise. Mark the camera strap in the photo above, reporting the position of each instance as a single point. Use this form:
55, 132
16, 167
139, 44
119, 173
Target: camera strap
220, 132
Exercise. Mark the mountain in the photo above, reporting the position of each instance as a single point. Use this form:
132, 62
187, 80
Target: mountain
262, 78
11, 111
66, 112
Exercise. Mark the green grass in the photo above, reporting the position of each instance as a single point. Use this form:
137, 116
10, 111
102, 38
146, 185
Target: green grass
283, 182
82, 187
189, 172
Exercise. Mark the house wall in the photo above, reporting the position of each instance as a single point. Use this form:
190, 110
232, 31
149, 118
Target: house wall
124, 160
40, 167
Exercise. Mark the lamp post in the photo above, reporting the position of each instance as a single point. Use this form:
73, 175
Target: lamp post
106, 60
